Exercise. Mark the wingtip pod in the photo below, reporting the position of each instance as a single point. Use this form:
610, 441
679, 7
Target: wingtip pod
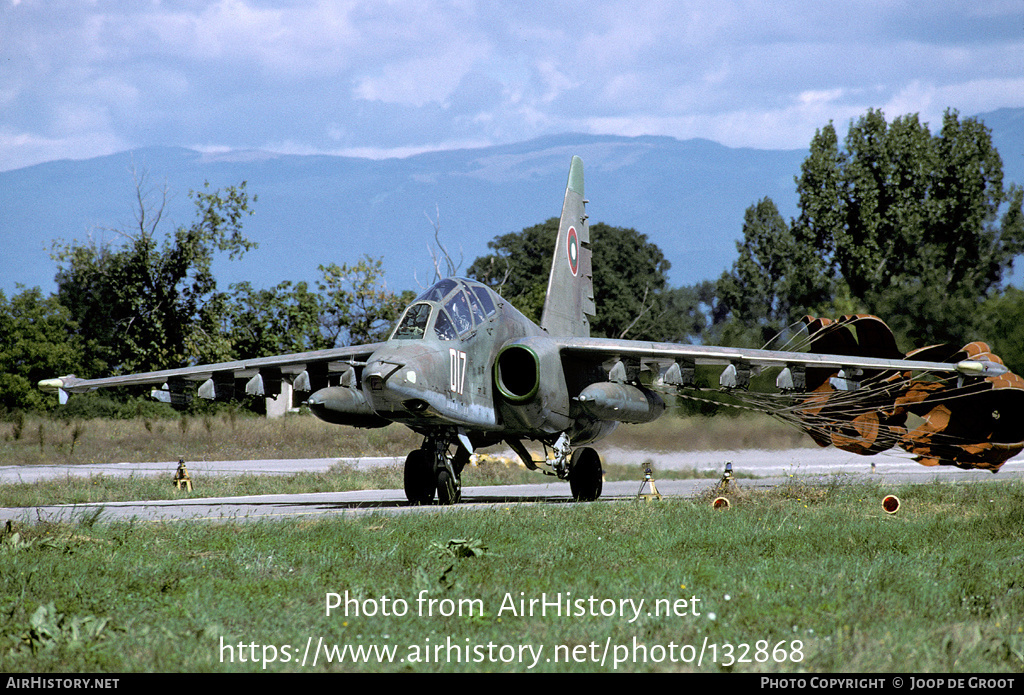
56, 386
68, 382
51, 384
982, 368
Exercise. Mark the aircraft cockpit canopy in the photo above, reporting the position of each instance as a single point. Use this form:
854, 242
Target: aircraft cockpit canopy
451, 308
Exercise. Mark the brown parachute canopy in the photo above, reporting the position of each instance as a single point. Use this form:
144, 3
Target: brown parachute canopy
969, 422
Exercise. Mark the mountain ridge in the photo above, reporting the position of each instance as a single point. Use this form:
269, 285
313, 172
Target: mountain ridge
687, 196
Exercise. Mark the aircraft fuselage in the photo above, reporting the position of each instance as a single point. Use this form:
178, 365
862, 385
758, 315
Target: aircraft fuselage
439, 367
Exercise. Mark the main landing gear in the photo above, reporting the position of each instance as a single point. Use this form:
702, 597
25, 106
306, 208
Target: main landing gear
434, 468
586, 477
582, 467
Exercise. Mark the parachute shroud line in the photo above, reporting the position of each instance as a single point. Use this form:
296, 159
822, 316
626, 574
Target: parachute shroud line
972, 419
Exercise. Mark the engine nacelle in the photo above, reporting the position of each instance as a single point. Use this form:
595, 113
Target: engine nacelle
340, 405
607, 400
529, 379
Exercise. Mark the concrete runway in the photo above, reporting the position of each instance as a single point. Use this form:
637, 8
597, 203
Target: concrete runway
772, 467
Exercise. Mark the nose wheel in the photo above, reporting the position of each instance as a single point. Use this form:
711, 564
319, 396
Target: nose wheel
419, 478
433, 468
449, 488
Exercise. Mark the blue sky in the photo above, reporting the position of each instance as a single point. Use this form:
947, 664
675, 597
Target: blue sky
81, 78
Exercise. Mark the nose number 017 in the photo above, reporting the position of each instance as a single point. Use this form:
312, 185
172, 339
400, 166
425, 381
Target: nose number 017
457, 370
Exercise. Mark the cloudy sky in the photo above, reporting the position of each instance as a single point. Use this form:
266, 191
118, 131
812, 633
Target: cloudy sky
80, 78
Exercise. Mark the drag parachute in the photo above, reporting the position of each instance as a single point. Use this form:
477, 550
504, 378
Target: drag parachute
972, 421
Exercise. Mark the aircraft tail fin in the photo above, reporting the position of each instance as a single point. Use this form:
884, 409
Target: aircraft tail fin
569, 303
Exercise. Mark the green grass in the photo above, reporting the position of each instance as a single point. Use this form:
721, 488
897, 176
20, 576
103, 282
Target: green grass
97, 489
816, 569
231, 435
220, 437
819, 570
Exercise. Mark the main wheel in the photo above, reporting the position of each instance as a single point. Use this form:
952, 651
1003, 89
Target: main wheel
586, 478
449, 490
419, 478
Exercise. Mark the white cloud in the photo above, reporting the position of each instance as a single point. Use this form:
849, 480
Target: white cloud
21, 149
411, 75
968, 97
418, 81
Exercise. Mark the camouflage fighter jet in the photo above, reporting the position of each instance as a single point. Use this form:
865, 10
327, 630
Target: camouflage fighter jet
467, 370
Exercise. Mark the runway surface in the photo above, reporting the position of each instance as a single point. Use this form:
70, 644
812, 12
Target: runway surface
771, 467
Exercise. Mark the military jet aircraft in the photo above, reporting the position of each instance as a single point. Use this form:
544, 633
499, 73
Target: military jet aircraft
466, 370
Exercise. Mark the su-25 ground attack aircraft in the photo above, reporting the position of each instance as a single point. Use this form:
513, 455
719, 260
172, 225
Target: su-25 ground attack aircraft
467, 370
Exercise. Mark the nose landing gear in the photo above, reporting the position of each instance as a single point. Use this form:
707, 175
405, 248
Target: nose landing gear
435, 468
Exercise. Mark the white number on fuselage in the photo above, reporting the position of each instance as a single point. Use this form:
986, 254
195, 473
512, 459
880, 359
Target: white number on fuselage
457, 371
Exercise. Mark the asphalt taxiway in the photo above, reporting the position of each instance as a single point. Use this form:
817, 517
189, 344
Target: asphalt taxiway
771, 467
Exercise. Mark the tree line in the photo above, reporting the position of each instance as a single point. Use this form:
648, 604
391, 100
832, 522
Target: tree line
152, 302
918, 228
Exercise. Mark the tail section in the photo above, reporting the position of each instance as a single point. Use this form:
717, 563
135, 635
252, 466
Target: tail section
569, 303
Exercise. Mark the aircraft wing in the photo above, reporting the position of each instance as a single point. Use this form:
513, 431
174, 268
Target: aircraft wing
960, 407
742, 359
258, 376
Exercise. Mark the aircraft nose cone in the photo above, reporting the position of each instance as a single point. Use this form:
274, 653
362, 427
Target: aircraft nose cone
396, 382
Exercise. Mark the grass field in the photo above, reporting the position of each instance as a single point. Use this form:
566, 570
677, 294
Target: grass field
802, 578
810, 579
231, 435
98, 489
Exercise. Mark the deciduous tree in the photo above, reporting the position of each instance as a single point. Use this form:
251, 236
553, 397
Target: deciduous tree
285, 318
915, 227
36, 342
631, 287
919, 226
357, 305
152, 303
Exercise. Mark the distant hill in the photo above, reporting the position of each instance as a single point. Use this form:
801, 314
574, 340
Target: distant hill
688, 197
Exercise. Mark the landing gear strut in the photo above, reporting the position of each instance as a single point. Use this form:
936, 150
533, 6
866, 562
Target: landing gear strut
432, 468
582, 467
449, 484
